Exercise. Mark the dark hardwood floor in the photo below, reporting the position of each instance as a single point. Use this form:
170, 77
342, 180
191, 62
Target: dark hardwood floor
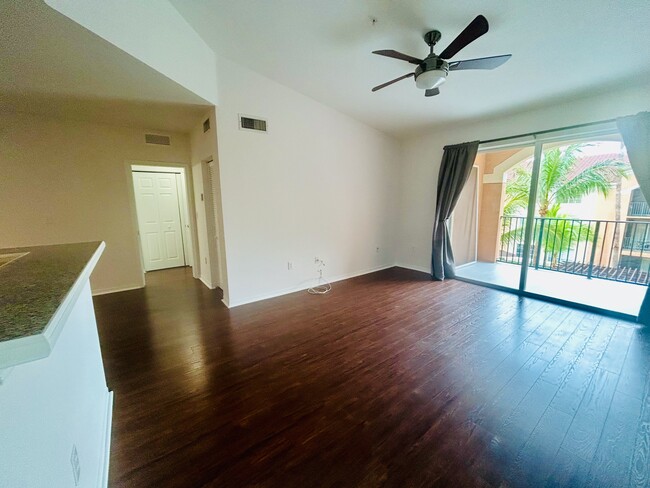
390, 380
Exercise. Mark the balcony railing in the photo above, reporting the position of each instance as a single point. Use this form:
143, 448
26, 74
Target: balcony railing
608, 249
639, 209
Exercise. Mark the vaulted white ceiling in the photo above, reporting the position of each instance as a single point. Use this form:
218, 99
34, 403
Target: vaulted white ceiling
51, 65
561, 49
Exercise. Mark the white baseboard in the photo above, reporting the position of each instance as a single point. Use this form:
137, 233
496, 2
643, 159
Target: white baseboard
108, 424
414, 268
284, 291
106, 291
304, 286
206, 283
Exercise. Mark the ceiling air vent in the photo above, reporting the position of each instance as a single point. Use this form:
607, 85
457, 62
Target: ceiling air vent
250, 123
157, 139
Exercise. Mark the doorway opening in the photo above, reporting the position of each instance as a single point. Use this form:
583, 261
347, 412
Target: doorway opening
163, 216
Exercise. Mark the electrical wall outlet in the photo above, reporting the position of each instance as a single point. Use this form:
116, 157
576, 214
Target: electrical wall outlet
76, 466
289, 265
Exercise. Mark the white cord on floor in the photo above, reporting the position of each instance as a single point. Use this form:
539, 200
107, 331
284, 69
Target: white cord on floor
322, 287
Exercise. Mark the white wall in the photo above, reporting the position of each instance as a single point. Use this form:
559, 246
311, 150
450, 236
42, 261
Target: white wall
66, 181
317, 184
153, 32
422, 154
213, 268
49, 405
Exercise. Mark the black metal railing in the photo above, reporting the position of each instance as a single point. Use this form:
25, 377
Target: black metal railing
639, 209
608, 249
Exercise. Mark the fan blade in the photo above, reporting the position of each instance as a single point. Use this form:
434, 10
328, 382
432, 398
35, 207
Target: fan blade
397, 55
473, 31
480, 63
432, 92
384, 85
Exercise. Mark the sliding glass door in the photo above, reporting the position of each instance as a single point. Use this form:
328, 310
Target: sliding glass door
563, 218
582, 213
497, 232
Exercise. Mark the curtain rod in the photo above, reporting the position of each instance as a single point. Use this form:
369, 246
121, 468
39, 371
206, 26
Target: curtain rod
577, 126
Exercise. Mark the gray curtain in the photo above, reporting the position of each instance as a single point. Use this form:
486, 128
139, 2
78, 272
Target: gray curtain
457, 162
636, 136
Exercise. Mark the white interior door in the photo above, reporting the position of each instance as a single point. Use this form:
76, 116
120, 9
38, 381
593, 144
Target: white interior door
159, 222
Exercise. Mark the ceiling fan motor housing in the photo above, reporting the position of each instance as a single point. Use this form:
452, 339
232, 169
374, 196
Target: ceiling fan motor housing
431, 63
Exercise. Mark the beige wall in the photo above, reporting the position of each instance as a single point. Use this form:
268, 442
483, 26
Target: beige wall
66, 181
489, 222
494, 159
492, 198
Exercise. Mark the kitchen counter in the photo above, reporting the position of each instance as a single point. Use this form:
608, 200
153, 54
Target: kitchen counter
55, 405
35, 291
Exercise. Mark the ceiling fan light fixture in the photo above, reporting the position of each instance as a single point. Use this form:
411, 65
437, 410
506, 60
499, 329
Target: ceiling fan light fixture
431, 79
431, 72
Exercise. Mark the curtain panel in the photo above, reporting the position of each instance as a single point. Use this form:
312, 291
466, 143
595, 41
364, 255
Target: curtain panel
456, 166
635, 131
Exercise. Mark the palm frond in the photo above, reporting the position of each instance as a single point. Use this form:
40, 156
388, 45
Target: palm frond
557, 182
556, 165
600, 178
517, 192
559, 235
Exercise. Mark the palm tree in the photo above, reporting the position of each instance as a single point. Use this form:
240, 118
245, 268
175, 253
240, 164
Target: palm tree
559, 182
557, 231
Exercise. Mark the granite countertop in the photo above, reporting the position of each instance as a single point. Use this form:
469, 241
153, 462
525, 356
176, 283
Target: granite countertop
33, 286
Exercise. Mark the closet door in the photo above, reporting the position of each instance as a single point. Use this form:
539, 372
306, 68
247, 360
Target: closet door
159, 220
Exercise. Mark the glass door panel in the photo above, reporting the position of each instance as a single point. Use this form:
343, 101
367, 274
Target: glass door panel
590, 240
495, 230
